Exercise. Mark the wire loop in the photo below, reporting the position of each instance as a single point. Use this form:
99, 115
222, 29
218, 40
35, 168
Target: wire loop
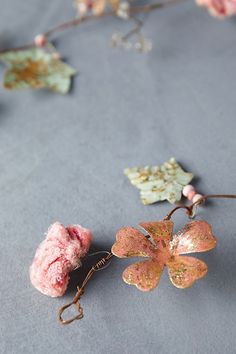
190, 208
80, 291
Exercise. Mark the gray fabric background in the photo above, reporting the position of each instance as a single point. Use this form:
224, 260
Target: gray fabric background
62, 158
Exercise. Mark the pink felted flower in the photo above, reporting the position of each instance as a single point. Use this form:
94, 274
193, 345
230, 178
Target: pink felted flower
57, 256
219, 8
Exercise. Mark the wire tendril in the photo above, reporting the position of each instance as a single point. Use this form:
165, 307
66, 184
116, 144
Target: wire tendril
80, 290
190, 208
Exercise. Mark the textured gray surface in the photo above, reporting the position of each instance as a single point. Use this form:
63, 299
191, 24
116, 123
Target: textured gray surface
62, 159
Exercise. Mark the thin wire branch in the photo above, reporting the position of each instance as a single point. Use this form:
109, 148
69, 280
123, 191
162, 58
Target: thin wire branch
135, 30
190, 207
188, 210
133, 10
77, 21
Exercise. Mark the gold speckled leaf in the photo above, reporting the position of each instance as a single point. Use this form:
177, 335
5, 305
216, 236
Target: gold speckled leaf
184, 271
195, 236
35, 68
131, 243
159, 183
144, 275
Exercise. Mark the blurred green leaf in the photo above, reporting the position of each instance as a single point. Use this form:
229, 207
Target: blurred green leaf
35, 68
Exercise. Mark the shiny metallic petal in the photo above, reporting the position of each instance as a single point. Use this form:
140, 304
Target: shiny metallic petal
144, 275
132, 243
159, 230
184, 271
195, 236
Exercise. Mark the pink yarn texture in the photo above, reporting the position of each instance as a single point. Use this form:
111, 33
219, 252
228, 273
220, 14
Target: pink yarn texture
219, 8
57, 256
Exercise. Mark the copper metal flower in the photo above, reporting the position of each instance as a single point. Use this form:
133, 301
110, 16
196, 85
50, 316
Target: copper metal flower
164, 250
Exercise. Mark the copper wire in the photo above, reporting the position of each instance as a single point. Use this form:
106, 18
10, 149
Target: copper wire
190, 208
80, 290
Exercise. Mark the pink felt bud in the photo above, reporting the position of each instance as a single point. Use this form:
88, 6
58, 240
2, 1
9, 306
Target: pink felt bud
187, 189
57, 256
40, 40
196, 198
191, 194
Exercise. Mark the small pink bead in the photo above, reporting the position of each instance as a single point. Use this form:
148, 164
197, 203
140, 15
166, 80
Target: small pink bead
40, 40
191, 194
187, 189
196, 198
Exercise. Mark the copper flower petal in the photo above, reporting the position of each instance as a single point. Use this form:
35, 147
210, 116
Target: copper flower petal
184, 271
144, 275
159, 230
131, 243
196, 236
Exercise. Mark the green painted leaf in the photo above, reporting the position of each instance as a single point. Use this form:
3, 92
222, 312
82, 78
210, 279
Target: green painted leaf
35, 68
157, 183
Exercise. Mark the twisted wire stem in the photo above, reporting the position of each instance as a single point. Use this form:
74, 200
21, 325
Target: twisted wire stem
80, 290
